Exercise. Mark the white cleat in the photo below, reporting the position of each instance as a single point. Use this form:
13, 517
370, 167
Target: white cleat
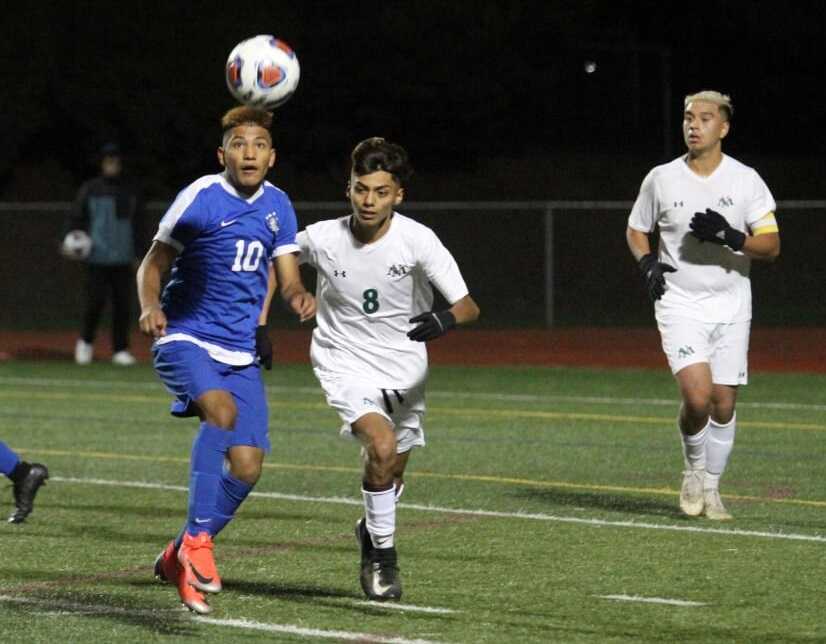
83, 352
691, 493
123, 359
715, 510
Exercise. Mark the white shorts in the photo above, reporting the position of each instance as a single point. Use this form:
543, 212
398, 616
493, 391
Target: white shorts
352, 398
724, 347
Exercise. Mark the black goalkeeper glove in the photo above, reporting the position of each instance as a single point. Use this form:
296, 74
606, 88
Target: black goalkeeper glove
654, 273
263, 347
711, 226
431, 325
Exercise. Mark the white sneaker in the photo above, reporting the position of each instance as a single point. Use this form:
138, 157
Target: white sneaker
123, 358
715, 510
691, 493
83, 352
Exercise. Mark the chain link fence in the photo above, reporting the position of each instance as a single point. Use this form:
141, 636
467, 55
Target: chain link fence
527, 264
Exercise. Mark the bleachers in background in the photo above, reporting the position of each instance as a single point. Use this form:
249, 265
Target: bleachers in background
528, 264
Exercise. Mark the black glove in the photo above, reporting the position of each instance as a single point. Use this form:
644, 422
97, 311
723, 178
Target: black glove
263, 346
654, 272
431, 325
711, 226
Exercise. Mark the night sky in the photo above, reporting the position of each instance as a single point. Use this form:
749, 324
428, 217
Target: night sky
487, 96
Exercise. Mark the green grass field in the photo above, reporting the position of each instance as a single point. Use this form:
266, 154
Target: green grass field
544, 509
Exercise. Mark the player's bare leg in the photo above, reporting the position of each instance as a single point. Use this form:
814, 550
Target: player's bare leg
375, 532
696, 388
398, 473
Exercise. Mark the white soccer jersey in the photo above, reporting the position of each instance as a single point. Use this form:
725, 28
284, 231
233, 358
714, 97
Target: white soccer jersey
366, 294
712, 281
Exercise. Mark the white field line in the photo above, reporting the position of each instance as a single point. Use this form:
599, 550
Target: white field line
309, 632
531, 398
651, 600
598, 523
407, 607
64, 608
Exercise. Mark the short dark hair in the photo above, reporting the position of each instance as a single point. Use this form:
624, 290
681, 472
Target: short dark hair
376, 154
244, 115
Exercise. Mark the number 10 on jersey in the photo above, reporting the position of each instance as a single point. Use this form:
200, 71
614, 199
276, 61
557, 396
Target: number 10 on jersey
247, 255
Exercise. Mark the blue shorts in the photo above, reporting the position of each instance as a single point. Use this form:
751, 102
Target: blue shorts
187, 371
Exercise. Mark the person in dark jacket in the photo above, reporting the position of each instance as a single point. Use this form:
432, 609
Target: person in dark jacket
108, 209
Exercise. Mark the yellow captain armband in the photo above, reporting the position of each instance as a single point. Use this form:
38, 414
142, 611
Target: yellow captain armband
765, 225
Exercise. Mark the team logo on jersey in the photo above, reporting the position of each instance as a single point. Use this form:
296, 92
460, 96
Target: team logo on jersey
397, 270
685, 351
272, 221
725, 201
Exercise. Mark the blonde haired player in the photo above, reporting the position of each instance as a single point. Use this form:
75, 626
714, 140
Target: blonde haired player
375, 267
714, 215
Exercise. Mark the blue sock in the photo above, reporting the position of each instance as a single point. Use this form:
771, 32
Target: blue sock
231, 494
208, 451
8, 459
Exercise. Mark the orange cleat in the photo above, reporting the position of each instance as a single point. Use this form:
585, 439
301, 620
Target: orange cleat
191, 597
166, 565
197, 564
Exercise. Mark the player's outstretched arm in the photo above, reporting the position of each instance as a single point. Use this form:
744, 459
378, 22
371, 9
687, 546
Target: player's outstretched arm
293, 292
433, 324
155, 264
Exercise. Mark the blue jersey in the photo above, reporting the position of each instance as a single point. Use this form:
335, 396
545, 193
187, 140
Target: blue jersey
225, 242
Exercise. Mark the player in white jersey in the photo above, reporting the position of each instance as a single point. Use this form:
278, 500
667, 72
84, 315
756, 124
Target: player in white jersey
375, 268
714, 215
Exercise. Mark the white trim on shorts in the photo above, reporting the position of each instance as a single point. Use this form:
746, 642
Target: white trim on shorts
219, 354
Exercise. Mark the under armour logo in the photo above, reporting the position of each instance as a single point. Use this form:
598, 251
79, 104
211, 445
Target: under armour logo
338, 273
725, 201
678, 204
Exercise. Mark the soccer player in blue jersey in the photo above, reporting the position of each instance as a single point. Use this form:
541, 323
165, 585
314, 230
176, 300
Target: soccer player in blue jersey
228, 239
26, 479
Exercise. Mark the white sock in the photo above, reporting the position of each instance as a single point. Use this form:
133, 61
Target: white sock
718, 448
380, 515
694, 449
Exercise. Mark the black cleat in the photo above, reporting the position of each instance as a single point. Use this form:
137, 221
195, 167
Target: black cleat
25, 489
380, 579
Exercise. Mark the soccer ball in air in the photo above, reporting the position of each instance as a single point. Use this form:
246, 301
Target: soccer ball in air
76, 245
262, 72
